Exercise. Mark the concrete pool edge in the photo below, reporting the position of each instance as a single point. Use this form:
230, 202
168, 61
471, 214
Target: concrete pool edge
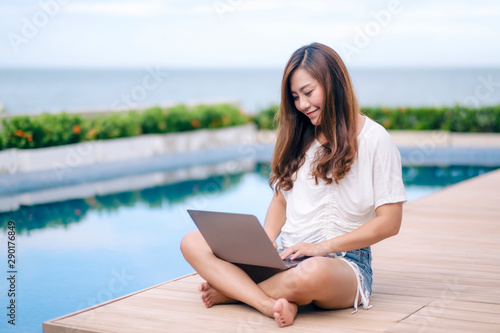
211, 147
42, 187
17, 161
88, 153
113, 185
414, 138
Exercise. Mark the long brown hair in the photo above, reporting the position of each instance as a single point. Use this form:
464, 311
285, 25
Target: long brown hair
295, 131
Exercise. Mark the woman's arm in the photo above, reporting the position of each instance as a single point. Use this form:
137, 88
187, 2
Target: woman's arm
386, 224
275, 217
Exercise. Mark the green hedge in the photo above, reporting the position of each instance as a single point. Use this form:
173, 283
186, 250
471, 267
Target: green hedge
265, 118
453, 119
49, 130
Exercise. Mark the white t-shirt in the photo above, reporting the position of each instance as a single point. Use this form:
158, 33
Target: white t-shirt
315, 213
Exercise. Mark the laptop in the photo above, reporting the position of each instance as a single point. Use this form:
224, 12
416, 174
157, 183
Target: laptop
241, 240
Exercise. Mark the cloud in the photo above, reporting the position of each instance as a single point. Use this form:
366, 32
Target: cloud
264, 7
246, 32
444, 10
134, 8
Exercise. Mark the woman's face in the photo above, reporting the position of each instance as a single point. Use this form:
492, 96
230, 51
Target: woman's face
308, 94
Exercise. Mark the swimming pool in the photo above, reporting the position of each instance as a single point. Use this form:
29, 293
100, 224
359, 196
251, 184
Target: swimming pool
80, 252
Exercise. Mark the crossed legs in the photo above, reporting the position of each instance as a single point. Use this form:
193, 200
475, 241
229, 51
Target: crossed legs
326, 282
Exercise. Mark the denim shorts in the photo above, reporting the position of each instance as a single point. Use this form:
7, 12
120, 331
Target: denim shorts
361, 262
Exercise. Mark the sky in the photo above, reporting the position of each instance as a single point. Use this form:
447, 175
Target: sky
246, 33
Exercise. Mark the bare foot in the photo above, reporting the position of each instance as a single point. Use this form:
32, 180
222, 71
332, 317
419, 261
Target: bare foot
284, 312
210, 296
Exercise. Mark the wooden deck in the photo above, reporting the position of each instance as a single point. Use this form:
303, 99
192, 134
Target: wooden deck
440, 274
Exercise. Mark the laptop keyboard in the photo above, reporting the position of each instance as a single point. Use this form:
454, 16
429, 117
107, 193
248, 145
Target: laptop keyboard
292, 263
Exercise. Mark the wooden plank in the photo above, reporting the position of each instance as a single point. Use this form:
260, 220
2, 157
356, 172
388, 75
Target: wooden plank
442, 310
437, 317
418, 324
489, 308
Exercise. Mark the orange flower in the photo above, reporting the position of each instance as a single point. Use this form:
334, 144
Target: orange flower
19, 133
402, 110
92, 133
30, 138
195, 123
76, 129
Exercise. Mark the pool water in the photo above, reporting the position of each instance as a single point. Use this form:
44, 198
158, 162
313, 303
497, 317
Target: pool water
77, 253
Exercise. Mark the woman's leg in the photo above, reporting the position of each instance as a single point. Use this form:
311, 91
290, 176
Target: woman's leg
329, 283
225, 277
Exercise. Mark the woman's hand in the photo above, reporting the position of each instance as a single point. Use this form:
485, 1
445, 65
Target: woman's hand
305, 249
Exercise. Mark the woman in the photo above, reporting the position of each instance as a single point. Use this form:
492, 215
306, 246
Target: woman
338, 190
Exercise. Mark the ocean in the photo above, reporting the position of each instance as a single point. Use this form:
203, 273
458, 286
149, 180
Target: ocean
36, 90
